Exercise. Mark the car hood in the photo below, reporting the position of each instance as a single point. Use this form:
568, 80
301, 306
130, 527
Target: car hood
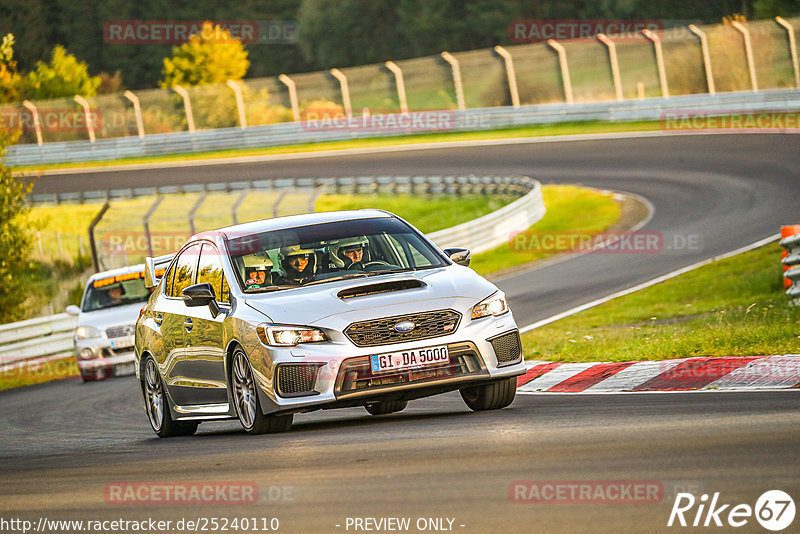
447, 287
114, 316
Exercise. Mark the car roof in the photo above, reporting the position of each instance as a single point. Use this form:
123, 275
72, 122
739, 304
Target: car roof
291, 221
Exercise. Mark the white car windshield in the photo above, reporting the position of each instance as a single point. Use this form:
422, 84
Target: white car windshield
114, 291
321, 253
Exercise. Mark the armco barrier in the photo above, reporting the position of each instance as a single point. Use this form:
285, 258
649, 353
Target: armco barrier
777, 100
48, 338
792, 260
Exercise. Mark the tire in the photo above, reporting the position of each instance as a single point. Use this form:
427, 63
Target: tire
245, 398
384, 407
492, 396
157, 406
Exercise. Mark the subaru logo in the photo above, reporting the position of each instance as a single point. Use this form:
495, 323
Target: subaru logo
404, 326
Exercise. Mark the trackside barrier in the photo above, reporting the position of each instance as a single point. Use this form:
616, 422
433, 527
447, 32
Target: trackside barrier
792, 260
292, 133
49, 338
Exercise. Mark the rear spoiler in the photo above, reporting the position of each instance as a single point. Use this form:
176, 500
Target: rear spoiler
154, 268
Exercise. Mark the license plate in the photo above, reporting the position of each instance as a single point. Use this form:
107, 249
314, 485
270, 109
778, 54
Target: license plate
122, 342
410, 359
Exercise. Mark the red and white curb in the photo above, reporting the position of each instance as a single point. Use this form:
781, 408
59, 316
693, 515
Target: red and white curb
686, 374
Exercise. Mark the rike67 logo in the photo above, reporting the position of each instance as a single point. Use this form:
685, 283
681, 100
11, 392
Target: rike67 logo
774, 510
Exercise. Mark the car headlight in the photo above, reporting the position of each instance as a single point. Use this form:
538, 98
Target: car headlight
493, 305
86, 332
288, 336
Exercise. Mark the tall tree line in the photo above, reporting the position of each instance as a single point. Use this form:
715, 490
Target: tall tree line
332, 33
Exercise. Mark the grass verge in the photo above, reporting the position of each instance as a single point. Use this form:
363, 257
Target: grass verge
565, 128
733, 307
27, 375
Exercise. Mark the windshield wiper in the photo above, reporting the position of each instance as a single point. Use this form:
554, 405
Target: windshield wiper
390, 271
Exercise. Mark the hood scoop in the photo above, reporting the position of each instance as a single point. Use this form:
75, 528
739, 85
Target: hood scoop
381, 287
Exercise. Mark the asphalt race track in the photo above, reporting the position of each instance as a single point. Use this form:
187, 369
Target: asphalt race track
62, 444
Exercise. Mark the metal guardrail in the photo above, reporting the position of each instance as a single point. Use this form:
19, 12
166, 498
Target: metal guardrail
457, 120
47, 338
43, 337
792, 260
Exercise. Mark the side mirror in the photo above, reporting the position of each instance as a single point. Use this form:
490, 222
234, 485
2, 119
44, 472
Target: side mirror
150, 279
461, 256
73, 310
200, 295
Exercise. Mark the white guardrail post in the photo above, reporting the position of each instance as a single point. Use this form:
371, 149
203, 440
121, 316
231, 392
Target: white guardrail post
792, 260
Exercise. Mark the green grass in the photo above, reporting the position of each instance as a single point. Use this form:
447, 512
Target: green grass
564, 128
569, 209
35, 374
733, 307
429, 214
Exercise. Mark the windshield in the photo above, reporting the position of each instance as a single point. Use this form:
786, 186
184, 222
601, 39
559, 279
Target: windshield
282, 259
114, 291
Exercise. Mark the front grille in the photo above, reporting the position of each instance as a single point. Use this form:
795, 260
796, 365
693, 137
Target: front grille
297, 379
507, 347
356, 375
120, 331
382, 332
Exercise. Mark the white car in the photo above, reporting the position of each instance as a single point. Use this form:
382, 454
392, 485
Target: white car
358, 308
104, 336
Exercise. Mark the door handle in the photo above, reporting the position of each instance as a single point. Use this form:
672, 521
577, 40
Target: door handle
158, 319
187, 324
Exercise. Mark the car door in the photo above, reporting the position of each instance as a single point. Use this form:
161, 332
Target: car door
172, 313
204, 359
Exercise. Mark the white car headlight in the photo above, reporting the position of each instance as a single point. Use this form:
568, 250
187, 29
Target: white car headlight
288, 336
86, 332
493, 305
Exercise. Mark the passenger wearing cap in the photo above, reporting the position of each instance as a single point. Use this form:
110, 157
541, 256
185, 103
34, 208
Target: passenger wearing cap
258, 271
298, 264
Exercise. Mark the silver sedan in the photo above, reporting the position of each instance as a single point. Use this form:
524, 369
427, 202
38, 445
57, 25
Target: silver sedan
263, 320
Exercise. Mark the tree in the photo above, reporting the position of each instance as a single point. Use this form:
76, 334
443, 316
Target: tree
63, 76
210, 57
12, 84
15, 238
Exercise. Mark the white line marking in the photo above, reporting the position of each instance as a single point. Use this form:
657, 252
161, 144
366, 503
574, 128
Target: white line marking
648, 283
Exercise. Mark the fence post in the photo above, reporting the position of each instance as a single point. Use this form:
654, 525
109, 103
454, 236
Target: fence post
281, 195
562, 61
510, 74
187, 105
401, 86
87, 113
706, 57
339, 75
612, 56
146, 223
459, 86
193, 211
748, 51
662, 72
137, 111
792, 49
37, 125
292, 87
92, 225
237, 204
237, 91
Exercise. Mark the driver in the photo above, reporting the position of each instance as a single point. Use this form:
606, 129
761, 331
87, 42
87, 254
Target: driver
258, 271
350, 253
299, 265
113, 295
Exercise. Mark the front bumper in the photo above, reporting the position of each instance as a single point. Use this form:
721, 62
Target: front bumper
337, 374
96, 356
